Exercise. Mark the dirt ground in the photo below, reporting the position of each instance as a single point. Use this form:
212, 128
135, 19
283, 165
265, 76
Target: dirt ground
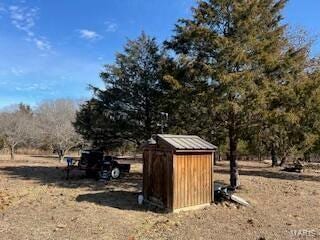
36, 202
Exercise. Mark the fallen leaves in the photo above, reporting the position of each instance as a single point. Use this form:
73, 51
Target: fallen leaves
5, 200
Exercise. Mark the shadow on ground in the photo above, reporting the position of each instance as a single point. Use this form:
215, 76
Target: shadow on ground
54, 176
124, 200
46, 156
120, 194
273, 174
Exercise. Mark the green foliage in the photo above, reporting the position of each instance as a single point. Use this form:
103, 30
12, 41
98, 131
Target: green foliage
284, 117
309, 102
129, 108
237, 79
227, 46
241, 62
96, 125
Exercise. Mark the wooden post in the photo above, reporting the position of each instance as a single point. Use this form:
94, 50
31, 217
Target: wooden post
212, 180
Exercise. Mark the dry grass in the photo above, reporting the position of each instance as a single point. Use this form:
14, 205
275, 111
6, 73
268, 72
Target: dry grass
37, 203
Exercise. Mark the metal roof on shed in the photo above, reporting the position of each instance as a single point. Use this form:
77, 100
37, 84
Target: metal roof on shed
186, 142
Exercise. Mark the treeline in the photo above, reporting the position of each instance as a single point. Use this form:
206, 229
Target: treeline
231, 74
49, 127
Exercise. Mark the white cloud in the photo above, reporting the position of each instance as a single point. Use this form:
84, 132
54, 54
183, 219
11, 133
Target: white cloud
32, 87
111, 26
24, 19
89, 35
16, 71
42, 44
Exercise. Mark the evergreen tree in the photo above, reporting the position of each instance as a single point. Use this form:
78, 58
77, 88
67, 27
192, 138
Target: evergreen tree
287, 86
237, 49
95, 124
309, 102
129, 108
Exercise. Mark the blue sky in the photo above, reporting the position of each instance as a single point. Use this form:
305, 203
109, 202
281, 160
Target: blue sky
54, 49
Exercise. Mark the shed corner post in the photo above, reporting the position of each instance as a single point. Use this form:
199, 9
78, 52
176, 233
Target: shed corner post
144, 173
212, 179
173, 184
147, 157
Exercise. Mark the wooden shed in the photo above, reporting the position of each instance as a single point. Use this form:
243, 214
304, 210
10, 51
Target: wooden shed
178, 172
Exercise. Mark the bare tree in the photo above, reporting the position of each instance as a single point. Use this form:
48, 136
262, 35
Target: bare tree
15, 127
55, 125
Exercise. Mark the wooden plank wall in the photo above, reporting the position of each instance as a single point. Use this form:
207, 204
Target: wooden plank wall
157, 177
192, 179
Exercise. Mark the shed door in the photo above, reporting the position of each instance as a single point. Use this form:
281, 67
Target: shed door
192, 179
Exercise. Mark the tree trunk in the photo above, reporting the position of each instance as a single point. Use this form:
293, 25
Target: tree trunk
215, 156
61, 155
148, 118
307, 157
65, 152
283, 160
273, 157
259, 147
234, 173
12, 152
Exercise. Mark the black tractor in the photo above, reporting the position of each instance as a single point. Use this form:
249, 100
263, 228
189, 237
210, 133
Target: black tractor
99, 166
